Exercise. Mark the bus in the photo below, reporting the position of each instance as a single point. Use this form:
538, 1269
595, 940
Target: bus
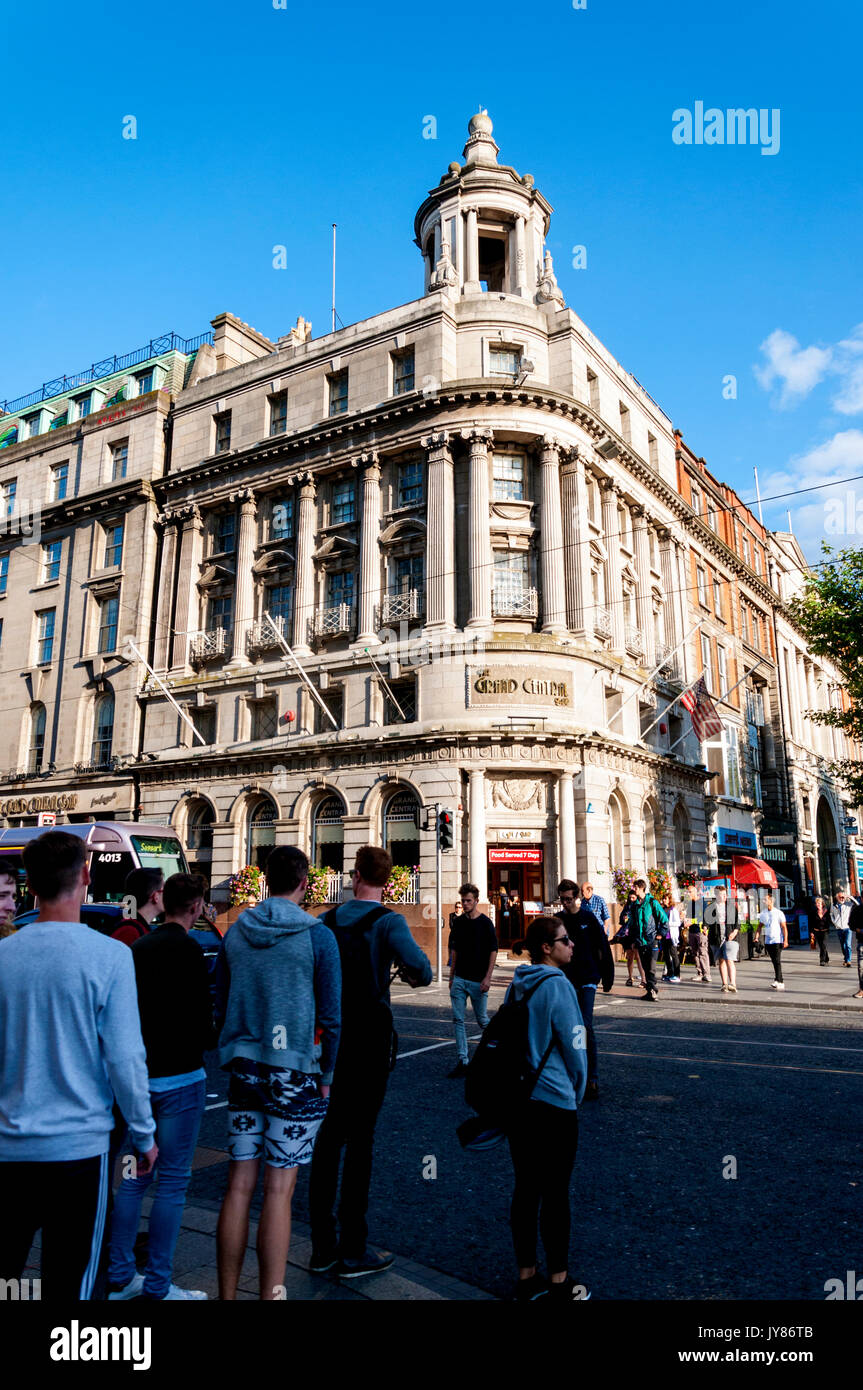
114, 849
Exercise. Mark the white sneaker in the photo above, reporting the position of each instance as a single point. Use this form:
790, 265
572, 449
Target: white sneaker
132, 1289
780, 986
175, 1294
673, 980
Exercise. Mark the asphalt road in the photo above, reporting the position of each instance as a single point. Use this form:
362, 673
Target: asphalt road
686, 1087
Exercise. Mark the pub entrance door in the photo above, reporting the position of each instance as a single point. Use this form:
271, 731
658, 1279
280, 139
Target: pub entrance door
515, 869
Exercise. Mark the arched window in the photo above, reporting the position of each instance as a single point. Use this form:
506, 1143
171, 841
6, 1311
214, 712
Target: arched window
328, 834
37, 738
615, 832
199, 838
103, 730
681, 839
262, 833
401, 834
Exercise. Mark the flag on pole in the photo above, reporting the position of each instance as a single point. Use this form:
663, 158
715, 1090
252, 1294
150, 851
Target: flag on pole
705, 720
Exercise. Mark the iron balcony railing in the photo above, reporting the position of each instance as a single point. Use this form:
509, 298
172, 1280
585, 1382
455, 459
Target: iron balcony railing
410, 893
514, 603
335, 888
400, 605
261, 636
157, 347
602, 622
633, 640
206, 646
332, 620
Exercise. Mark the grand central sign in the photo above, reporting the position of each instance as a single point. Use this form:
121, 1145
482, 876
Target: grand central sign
32, 805
517, 685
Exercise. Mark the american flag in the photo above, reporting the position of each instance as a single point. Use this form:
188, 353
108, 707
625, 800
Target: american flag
705, 720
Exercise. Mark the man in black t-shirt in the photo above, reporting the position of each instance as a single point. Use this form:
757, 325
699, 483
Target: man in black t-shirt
473, 952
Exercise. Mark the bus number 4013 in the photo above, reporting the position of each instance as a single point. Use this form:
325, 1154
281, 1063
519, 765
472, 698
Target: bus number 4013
110, 858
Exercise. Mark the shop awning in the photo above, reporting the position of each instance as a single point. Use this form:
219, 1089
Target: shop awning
747, 870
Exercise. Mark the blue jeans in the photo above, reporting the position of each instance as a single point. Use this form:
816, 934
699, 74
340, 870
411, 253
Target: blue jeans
845, 934
461, 991
586, 1000
178, 1119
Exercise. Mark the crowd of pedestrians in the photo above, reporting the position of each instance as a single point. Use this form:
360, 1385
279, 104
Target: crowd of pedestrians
102, 1045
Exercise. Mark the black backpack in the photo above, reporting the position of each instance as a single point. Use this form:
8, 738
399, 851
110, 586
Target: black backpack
500, 1079
360, 989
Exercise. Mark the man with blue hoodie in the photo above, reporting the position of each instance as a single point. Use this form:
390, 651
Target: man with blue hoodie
70, 1041
278, 990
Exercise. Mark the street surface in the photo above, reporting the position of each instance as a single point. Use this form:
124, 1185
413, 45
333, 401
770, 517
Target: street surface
686, 1086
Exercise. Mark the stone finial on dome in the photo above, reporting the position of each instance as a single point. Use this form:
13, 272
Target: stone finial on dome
480, 147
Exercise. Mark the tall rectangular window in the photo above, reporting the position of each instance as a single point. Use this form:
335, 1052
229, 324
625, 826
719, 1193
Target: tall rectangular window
344, 501
697, 500
220, 612
744, 621
279, 604
407, 574
707, 662
282, 519
403, 372
713, 519
747, 550
511, 576
4, 572
340, 588
652, 450
717, 598
45, 635
204, 719
593, 390
9, 491
265, 720
109, 612
405, 692
410, 484
279, 413
113, 545
223, 432
59, 481
701, 575
722, 663
51, 554
226, 533
339, 393
508, 477
119, 460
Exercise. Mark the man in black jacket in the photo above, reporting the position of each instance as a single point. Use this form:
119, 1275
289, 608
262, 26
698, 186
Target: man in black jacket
177, 1027
591, 964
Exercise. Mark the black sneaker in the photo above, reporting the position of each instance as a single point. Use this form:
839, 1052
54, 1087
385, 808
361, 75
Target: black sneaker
459, 1070
568, 1292
370, 1263
528, 1290
322, 1260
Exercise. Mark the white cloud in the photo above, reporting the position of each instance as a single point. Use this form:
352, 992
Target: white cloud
834, 513
797, 369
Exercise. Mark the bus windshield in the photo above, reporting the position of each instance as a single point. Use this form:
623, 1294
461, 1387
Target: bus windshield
159, 852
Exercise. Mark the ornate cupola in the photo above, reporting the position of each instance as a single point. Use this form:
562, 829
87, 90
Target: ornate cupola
483, 229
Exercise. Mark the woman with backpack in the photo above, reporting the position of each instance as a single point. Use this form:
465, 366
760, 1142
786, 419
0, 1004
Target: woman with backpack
543, 1135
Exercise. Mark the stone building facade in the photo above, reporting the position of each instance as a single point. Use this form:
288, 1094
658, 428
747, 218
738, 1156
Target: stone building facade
449, 555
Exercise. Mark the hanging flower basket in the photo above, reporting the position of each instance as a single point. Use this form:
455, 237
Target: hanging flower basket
622, 881
246, 886
318, 890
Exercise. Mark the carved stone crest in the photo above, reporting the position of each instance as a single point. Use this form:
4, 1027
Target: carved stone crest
516, 794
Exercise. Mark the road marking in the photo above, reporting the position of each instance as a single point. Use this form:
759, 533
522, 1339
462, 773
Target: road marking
433, 1046
220, 1105
735, 1042
725, 1062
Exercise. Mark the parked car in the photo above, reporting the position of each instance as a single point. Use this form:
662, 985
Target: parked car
107, 917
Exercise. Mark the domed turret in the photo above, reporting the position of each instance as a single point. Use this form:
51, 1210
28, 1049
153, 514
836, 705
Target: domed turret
483, 229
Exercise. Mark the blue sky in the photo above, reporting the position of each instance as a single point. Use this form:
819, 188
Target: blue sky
259, 126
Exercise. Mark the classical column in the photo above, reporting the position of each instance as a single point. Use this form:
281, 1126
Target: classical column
477, 853
471, 274
576, 544
370, 557
440, 534
520, 257
186, 614
244, 585
644, 598
479, 535
567, 861
551, 537
680, 568
167, 564
304, 578
613, 586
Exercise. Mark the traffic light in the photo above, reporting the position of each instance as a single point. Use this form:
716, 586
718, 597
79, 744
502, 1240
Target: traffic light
445, 828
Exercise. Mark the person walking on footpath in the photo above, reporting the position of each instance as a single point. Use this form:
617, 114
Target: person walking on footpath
177, 1027
856, 923
70, 1040
144, 887
625, 938
543, 1139
840, 916
591, 964
648, 918
672, 940
473, 952
278, 988
371, 939
698, 944
727, 957
775, 938
595, 903
821, 929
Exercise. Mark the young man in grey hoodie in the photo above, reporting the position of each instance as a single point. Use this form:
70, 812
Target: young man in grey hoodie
278, 991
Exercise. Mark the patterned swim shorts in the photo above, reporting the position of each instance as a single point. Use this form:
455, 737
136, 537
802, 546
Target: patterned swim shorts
273, 1113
